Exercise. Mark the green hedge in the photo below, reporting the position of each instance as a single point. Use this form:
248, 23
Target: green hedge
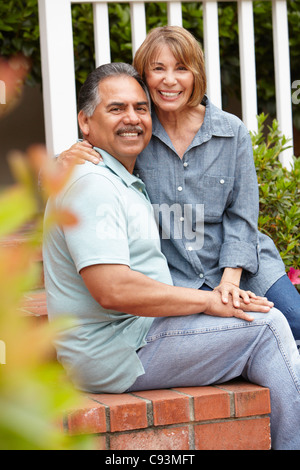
19, 32
279, 192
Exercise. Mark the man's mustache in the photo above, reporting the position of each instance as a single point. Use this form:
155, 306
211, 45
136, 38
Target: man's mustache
130, 130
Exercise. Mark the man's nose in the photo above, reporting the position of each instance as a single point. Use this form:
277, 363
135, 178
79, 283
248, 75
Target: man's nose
131, 116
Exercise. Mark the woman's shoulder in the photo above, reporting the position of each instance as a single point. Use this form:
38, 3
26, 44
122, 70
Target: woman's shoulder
225, 120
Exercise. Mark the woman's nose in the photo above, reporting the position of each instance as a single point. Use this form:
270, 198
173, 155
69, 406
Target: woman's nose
170, 78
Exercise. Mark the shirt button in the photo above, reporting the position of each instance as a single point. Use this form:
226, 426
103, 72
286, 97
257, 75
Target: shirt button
179, 188
201, 275
222, 181
190, 248
181, 219
185, 164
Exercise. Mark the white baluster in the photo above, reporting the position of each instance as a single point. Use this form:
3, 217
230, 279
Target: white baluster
212, 52
101, 32
247, 64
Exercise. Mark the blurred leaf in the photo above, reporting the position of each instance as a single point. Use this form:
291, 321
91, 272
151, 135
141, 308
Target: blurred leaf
17, 206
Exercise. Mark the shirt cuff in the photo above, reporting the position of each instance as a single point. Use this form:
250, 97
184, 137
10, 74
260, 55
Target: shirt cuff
239, 255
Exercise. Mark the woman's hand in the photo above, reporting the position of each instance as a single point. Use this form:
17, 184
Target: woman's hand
217, 307
228, 289
78, 154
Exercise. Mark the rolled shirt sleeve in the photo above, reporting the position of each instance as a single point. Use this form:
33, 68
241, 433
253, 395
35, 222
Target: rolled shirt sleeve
240, 239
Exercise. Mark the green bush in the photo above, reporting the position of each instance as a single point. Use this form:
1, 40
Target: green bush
279, 192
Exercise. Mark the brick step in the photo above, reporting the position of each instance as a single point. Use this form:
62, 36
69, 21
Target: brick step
231, 416
34, 306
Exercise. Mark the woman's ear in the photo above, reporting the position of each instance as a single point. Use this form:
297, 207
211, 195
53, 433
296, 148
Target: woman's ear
83, 122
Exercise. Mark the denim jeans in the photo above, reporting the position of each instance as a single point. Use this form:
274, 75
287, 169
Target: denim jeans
287, 299
199, 350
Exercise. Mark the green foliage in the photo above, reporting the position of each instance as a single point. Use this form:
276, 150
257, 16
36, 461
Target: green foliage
19, 32
34, 391
279, 191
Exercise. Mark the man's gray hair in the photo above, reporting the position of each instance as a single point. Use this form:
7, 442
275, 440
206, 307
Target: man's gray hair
89, 97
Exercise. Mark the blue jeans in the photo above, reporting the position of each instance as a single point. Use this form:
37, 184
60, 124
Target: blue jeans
199, 350
287, 299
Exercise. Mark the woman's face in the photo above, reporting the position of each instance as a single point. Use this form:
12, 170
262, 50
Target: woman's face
170, 83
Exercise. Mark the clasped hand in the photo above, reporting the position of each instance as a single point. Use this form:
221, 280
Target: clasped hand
242, 301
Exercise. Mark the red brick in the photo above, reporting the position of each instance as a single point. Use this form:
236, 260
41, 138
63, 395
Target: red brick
169, 407
35, 304
247, 434
209, 402
249, 399
88, 419
126, 411
152, 439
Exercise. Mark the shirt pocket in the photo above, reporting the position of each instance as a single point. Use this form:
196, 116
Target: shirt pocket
217, 195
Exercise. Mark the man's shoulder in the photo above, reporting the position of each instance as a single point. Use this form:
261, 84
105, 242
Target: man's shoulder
88, 173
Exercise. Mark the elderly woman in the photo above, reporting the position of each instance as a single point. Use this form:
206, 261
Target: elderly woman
200, 176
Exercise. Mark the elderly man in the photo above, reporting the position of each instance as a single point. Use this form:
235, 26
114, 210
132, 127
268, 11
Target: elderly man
133, 329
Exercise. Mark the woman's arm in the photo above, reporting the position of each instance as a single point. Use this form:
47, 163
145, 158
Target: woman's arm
240, 231
229, 286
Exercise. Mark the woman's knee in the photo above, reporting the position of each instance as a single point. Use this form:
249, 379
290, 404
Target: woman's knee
279, 325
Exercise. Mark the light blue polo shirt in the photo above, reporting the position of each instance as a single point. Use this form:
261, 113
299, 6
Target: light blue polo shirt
116, 226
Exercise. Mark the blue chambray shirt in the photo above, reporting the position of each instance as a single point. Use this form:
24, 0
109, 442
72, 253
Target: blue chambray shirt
207, 204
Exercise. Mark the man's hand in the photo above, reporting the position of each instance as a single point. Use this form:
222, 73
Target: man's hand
78, 154
216, 306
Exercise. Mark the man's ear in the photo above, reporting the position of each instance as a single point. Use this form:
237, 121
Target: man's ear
83, 122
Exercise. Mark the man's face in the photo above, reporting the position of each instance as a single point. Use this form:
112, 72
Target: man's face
121, 123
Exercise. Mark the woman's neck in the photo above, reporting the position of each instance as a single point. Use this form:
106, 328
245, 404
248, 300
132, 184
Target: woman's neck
182, 126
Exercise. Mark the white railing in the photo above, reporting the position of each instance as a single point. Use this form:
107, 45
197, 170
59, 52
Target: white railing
59, 71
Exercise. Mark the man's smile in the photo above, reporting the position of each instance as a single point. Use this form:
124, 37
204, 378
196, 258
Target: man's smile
130, 132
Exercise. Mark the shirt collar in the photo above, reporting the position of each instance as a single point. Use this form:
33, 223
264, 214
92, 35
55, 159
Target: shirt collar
117, 168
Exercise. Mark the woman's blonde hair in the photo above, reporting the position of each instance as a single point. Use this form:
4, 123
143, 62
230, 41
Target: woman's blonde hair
185, 49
